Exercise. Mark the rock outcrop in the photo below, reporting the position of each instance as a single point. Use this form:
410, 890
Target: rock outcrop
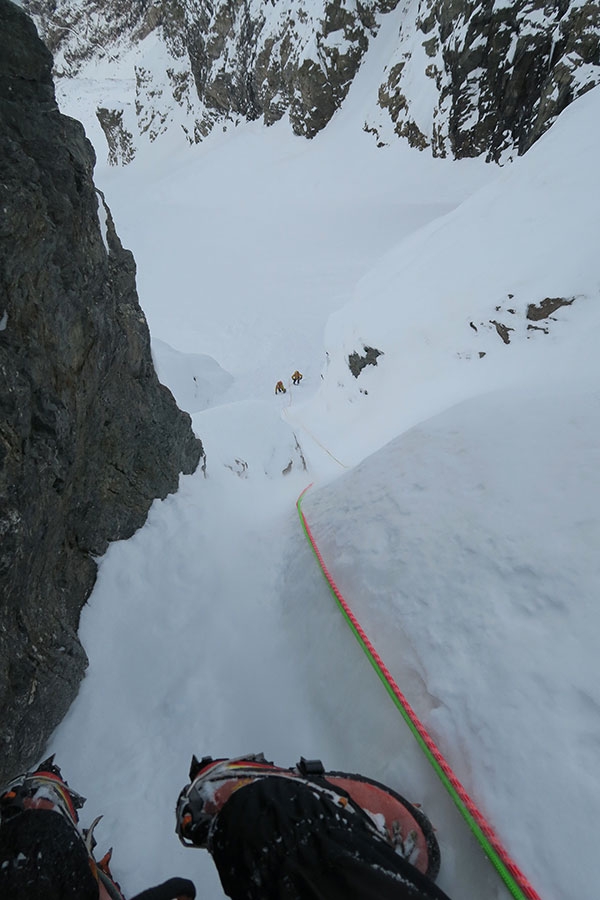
88, 436
462, 78
495, 74
229, 60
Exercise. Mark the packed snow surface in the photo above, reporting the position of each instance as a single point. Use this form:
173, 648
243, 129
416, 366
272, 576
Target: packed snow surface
455, 498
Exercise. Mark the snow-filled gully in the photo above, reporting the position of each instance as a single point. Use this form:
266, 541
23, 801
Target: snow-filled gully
515, 880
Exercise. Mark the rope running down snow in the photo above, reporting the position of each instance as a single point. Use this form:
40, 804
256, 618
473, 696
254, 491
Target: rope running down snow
318, 442
516, 882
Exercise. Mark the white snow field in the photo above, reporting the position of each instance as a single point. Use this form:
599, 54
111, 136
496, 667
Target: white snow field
456, 496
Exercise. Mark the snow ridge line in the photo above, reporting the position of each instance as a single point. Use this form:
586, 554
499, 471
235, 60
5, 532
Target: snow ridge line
514, 879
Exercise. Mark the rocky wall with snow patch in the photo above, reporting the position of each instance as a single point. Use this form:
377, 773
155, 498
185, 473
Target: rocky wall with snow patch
472, 78
465, 78
221, 62
88, 436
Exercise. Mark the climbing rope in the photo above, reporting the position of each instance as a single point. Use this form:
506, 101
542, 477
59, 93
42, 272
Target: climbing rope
319, 444
516, 882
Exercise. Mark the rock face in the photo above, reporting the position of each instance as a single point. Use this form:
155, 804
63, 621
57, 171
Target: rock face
88, 436
228, 60
496, 73
462, 78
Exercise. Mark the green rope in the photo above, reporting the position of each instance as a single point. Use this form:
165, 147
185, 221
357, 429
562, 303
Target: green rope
456, 791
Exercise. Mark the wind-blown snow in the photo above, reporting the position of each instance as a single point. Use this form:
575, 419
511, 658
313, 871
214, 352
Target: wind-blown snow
465, 537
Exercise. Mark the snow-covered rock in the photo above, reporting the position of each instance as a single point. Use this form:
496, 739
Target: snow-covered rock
464, 77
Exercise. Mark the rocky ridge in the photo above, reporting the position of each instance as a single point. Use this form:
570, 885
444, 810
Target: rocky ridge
464, 78
88, 436
496, 74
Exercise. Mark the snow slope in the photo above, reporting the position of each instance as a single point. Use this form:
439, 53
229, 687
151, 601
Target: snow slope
467, 544
468, 548
471, 542
430, 305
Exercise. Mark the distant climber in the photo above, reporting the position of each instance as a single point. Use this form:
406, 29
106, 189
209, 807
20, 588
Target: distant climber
279, 388
304, 834
44, 855
297, 377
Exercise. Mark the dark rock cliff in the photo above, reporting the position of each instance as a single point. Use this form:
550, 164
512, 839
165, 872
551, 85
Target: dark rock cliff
88, 436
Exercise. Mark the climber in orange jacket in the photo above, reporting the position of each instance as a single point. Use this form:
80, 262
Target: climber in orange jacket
279, 388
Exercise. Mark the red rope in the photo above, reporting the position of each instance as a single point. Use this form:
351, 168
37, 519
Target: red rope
522, 884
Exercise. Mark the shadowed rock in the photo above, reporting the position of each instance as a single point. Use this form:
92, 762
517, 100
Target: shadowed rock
546, 307
356, 362
88, 436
